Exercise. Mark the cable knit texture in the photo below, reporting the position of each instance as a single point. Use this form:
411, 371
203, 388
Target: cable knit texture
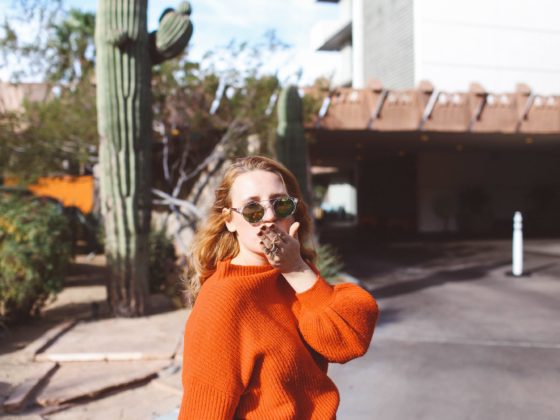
255, 349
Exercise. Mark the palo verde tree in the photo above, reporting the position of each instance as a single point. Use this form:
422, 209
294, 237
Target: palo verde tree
55, 133
206, 114
126, 53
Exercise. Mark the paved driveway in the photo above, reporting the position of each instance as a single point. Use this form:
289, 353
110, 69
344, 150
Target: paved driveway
458, 338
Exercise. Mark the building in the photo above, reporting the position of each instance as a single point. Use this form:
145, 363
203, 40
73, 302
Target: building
457, 156
13, 95
496, 43
427, 161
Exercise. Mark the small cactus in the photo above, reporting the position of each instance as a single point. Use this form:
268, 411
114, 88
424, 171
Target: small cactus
291, 147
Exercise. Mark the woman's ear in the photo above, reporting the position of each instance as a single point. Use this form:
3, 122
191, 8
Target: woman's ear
227, 216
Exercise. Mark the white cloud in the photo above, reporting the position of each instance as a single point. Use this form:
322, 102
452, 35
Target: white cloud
216, 22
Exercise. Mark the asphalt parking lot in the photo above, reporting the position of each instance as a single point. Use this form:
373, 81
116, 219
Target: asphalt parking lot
459, 337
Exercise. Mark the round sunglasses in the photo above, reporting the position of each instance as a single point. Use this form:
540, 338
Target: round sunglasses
254, 211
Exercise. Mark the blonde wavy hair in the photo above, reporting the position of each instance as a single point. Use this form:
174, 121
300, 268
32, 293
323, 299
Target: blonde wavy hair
213, 242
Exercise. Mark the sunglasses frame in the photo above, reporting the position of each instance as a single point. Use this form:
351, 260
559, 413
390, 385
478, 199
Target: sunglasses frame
272, 201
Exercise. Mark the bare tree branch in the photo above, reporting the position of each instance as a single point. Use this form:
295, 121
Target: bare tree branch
170, 200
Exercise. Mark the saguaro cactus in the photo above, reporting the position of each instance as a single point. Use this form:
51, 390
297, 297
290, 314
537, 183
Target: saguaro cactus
125, 55
291, 148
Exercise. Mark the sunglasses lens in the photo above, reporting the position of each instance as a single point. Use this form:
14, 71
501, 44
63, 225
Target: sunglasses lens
253, 212
284, 207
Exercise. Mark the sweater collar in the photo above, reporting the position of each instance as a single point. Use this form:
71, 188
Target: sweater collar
226, 269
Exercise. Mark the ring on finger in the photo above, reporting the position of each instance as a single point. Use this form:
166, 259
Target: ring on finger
274, 238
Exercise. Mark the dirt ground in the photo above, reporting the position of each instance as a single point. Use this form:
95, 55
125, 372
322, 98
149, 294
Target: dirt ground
83, 297
84, 290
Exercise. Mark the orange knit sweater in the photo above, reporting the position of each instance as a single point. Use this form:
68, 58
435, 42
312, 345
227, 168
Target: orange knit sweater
255, 349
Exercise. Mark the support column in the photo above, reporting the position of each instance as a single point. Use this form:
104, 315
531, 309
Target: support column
358, 76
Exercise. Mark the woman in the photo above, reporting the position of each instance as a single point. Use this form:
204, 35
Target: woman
265, 324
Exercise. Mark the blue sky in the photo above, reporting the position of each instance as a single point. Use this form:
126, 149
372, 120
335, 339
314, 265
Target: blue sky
216, 22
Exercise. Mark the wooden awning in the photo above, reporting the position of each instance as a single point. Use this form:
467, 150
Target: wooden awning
426, 109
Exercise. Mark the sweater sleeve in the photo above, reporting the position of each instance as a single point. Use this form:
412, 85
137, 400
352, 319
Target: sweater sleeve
214, 365
337, 321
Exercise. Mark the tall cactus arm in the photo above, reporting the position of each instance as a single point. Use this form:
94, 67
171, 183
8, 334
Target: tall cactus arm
118, 37
116, 29
290, 107
291, 147
173, 35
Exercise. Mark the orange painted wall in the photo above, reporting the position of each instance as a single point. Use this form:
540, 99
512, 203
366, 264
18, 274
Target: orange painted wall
69, 190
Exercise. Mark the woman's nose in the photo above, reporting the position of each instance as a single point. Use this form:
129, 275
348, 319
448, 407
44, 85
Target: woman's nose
269, 214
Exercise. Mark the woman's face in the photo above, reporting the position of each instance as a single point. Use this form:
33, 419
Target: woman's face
256, 185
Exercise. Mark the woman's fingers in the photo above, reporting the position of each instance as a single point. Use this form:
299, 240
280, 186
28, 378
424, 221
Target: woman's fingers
266, 249
270, 243
276, 236
267, 241
272, 235
273, 254
293, 229
277, 245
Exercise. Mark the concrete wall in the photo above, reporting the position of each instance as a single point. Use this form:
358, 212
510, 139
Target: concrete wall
495, 42
323, 30
512, 181
345, 7
389, 42
343, 71
12, 96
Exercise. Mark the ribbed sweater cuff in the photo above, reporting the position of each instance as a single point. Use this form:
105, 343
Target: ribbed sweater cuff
204, 402
320, 295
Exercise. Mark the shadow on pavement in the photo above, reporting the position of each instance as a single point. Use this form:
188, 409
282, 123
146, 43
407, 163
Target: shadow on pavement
543, 267
381, 260
85, 274
366, 256
83, 297
388, 316
436, 279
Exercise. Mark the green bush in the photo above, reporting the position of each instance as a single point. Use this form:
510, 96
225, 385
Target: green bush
162, 260
35, 250
329, 262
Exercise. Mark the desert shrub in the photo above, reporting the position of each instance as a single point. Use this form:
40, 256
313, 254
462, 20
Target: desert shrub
35, 250
162, 257
162, 260
329, 262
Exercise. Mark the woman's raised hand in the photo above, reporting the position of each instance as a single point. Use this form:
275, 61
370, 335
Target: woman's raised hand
282, 250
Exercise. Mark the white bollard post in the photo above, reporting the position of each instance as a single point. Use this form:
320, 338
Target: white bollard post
517, 250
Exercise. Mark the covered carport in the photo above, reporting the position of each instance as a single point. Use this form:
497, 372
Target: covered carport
426, 161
